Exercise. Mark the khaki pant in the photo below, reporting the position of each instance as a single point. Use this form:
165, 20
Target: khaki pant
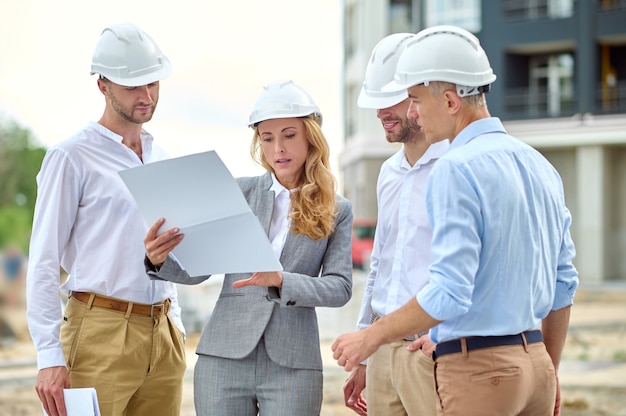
513, 380
399, 382
136, 363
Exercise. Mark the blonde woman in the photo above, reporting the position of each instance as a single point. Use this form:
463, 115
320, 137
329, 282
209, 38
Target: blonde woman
259, 352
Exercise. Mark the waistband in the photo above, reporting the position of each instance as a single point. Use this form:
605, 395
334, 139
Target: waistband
476, 343
154, 310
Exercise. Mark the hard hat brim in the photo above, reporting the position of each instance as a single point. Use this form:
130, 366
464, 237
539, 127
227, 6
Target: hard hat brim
162, 73
315, 116
385, 100
395, 86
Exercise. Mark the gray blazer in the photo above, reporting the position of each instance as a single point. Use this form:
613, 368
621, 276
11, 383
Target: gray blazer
315, 273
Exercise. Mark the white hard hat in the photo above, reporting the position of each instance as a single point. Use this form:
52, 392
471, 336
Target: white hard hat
283, 99
380, 71
128, 56
444, 53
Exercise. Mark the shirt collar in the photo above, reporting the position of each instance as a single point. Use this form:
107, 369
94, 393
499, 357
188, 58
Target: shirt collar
433, 152
103, 131
146, 138
477, 128
277, 187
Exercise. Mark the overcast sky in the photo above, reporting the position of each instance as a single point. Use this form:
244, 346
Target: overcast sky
223, 52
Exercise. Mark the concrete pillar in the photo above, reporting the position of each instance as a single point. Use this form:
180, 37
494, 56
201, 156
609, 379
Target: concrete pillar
590, 226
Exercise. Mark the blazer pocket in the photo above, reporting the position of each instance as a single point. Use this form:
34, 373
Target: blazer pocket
229, 295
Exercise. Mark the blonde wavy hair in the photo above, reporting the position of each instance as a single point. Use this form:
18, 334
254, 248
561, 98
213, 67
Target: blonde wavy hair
313, 205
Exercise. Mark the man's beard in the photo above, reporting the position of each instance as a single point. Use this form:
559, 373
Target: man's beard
408, 132
127, 113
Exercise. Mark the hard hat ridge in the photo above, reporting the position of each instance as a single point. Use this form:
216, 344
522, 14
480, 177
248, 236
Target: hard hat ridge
380, 71
128, 56
444, 53
283, 99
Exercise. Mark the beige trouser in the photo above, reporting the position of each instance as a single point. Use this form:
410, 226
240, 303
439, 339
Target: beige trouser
400, 382
136, 363
513, 380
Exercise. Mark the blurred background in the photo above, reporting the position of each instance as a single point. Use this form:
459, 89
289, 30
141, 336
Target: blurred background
561, 87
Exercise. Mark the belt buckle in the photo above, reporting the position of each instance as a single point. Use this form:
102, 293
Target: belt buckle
157, 305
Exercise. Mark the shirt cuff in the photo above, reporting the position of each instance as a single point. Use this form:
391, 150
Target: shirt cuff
52, 357
562, 297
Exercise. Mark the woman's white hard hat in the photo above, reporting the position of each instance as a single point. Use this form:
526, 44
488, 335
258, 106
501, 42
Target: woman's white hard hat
283, 99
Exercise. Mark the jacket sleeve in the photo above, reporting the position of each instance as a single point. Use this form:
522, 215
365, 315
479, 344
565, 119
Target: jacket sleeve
332, 286
172, 271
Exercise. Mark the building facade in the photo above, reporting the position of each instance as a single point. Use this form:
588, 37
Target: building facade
561, 87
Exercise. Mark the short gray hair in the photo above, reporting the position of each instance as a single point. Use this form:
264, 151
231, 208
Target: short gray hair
439, 87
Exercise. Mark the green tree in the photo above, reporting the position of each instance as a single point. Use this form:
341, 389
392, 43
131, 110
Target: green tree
20, 160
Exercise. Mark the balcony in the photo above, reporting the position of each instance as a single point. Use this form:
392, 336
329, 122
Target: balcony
522, 103
612, 5
537, 9
611, 99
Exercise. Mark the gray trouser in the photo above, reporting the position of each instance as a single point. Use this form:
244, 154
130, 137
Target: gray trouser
255, 385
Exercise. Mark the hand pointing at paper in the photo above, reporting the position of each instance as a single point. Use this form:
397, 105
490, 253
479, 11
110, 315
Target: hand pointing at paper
263, 279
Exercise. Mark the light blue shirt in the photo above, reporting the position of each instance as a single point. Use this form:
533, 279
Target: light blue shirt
502, 251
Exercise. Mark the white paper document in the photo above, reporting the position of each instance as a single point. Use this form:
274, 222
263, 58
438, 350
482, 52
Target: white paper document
80, 402
197, 194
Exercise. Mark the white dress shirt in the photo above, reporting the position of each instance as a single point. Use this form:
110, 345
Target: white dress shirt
279, 227
401, 255
86, 222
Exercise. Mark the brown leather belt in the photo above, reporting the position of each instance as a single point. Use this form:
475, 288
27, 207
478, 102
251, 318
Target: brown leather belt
155, 310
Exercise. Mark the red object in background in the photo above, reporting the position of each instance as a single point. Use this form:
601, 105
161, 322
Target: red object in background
363, 230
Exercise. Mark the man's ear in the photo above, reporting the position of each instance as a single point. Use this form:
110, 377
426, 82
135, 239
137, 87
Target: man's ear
453, 101
103, 87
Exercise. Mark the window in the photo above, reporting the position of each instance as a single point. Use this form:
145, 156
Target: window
551, 85
400, 16
608, 5
462, 13
349, 32
540, 85
611, 89
538, 9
